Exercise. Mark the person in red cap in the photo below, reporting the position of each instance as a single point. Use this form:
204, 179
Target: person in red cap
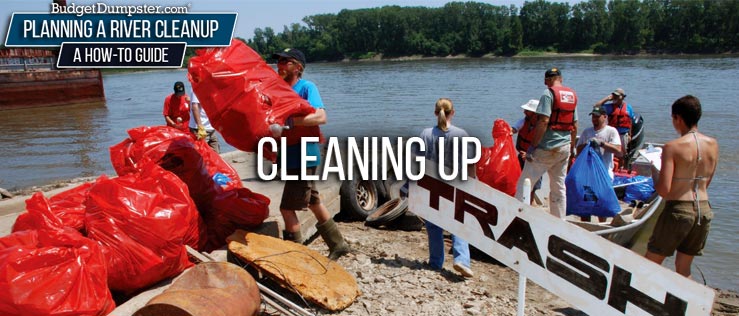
301, 194
177, 108
553, 141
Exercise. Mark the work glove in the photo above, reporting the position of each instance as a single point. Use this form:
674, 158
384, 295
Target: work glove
276, 130
201, 133
595, 143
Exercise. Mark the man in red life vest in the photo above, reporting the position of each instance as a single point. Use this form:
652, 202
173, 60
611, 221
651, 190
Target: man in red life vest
525, 129
553, 141
620, 115
177, 108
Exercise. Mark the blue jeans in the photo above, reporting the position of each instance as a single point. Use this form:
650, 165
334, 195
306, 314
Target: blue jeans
460, 248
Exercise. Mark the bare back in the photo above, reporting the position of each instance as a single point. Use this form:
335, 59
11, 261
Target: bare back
688, 165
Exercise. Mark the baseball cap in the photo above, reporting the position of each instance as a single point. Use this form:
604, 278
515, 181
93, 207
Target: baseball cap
179, 87
619, 92
531, 105
552, 72
291, 53
599, 110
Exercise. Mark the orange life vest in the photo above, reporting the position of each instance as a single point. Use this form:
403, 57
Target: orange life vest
619, 116
563, 109
526, 134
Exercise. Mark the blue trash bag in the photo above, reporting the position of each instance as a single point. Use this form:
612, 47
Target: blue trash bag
618, 180
589, 187
221, 179
641, 191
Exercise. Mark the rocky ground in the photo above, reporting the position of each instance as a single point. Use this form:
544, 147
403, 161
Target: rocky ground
390, 268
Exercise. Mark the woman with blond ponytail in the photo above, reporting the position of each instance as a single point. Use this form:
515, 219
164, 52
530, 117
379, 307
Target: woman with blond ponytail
444, 112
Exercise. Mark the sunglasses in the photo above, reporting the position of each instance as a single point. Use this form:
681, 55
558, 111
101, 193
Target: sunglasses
287, 61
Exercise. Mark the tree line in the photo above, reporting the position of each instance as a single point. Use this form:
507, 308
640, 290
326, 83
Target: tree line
476, 29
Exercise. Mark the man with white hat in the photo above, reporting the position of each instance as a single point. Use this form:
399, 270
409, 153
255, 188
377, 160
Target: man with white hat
525, 128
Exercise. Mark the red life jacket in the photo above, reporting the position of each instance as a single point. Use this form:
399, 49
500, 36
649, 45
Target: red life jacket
293, 135
619, 116
179, 106
526, 134
563, 109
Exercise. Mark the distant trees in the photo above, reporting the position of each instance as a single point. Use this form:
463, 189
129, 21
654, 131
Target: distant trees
477, 29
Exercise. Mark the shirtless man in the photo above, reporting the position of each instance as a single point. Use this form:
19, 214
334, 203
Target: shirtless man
688, 165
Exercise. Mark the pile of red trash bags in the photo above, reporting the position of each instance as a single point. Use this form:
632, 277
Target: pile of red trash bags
498, 166
243, 95
67, 252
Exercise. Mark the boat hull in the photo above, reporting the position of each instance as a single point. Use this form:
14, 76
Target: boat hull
30, 89
629, 229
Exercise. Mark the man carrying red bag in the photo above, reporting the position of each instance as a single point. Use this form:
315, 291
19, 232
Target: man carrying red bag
299, 194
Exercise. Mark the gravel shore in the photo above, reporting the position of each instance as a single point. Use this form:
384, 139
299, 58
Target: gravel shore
390, 269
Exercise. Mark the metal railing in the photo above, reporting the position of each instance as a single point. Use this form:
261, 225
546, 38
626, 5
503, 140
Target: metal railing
26, 67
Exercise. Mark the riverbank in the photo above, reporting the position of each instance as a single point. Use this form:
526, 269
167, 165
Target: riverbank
390, 269
369, 57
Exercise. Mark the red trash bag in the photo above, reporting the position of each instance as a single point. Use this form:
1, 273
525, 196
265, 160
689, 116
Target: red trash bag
143, 145
499, 167
65, 209
232, 209
150, 143
52, 272
242, 95
214, 163
175, 151
143, 222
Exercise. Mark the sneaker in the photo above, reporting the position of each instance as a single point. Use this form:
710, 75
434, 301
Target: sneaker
464, 271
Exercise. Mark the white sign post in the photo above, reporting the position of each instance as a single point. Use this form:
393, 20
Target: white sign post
588, 271
521, 277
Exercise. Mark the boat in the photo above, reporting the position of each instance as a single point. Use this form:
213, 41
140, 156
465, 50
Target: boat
630, 228
29, 78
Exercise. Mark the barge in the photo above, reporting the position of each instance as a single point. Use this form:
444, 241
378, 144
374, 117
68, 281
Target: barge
29, 78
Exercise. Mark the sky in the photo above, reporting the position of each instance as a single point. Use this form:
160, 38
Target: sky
251, 14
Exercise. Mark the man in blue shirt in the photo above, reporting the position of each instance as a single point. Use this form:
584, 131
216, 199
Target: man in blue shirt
299, 194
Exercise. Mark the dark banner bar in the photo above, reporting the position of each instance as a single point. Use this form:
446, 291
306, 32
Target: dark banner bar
121, 55
50, 30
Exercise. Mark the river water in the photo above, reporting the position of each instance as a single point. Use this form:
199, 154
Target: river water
396, 98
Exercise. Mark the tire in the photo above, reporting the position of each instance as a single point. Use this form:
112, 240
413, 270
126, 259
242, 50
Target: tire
408, 222
359, 198
387, 213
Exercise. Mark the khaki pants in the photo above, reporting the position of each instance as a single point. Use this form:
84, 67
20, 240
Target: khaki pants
554, 163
